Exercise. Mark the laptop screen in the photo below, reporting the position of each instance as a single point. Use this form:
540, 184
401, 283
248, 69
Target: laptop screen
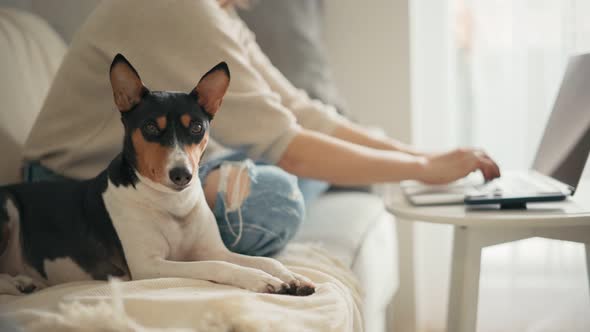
565, 145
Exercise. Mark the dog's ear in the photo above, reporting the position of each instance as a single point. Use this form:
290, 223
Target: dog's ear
212, 87
127, 86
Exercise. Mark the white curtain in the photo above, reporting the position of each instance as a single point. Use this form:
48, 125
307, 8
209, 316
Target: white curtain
515, 59
485, 73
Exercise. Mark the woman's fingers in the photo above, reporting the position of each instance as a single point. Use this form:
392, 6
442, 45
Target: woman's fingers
495, 170
485, 164
489, 168
459, 163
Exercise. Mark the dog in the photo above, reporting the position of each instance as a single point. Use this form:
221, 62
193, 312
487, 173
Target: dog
143, 217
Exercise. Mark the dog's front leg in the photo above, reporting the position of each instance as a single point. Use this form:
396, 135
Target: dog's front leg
298, 284
214, 249
216, 271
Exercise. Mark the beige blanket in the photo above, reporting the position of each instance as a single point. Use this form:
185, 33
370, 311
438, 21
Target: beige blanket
193, 305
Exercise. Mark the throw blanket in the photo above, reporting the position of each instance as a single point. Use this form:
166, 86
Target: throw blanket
193, 305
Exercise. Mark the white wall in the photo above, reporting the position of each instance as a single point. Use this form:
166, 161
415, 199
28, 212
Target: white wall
432, 92
369, 48
368, 44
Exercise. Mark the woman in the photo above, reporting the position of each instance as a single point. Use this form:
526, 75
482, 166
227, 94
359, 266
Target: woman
258, 207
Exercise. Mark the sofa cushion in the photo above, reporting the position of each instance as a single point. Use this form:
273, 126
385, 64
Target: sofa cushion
376, 267
356, 228
31, 54
340, 221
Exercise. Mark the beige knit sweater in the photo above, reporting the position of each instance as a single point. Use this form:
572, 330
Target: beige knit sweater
171, 43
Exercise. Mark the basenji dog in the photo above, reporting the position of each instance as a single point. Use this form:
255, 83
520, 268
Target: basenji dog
143, 217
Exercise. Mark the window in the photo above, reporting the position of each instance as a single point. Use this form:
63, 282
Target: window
485, 73
491, 71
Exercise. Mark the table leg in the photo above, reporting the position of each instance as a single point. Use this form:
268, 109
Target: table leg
463, 297
467, 247
588, 263
404, 301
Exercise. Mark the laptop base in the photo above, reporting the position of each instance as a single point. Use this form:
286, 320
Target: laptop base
513, 206
514, 203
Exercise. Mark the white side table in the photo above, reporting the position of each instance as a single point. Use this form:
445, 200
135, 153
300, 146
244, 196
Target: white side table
483, 226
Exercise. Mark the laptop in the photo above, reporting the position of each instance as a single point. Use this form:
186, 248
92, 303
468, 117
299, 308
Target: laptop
558, 164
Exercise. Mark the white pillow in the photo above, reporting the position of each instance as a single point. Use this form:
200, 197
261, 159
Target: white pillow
31, 54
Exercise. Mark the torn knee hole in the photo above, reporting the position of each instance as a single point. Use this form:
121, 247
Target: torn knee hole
235, 184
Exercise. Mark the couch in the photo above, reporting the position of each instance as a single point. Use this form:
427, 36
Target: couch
353, 226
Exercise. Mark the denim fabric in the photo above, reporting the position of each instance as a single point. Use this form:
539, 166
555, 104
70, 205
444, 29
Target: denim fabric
35, 172
269, 215
311, 189
265, 220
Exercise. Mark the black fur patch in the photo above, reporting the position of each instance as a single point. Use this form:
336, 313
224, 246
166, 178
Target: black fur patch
121, 173
3, 211
68, 219
4, 232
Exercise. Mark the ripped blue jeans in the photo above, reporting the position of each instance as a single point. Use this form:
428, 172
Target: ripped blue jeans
259, 224
271, 212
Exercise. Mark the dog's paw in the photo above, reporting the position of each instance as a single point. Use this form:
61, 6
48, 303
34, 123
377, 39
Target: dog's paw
304, 290
18, 285
297, 284
264, 283
277, 269
302, 286
24, 284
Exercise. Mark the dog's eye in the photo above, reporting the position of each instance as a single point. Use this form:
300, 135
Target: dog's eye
196, 128
151, 129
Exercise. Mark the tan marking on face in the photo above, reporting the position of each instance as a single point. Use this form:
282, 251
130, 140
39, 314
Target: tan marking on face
185, 119
151, 158
161, 121
195, 151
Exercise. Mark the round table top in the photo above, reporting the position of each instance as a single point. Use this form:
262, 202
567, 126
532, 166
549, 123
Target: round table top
574, 211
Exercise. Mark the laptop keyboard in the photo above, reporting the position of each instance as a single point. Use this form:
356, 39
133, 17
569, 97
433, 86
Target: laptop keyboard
513, 185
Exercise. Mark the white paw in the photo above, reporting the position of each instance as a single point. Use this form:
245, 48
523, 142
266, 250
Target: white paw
275, 268
298, 284
24, 284
304, 281
262, 282
18, 285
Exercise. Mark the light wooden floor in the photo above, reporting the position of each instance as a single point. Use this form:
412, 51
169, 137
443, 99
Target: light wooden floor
534, 285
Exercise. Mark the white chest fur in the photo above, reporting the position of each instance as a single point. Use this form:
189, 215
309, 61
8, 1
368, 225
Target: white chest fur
170, 234
159, 222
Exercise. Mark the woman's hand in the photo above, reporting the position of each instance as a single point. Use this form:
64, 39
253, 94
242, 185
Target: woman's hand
450, 166
319, 156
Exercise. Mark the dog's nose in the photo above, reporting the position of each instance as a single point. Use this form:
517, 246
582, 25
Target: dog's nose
180, 176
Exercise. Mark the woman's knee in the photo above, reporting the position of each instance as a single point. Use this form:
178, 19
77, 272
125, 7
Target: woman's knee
258, 208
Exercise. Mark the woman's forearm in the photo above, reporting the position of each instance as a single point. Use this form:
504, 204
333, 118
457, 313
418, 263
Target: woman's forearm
327, 158
351, 132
